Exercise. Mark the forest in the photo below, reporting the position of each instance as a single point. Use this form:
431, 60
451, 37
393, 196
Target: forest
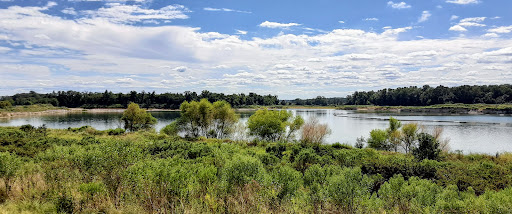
404, 96
205, 163
426, 95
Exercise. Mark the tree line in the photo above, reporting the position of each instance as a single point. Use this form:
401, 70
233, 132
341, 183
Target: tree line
427, 95
74, 99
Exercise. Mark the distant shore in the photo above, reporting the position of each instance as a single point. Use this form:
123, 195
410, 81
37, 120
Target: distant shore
38, 110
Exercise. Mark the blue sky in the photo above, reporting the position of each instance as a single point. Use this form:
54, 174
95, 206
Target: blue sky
289, 48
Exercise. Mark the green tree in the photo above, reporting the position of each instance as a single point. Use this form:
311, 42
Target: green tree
136, 118
428, 147
272, 125
5, 104
409, 136
206, 119
378, 139
394, 134
224, 118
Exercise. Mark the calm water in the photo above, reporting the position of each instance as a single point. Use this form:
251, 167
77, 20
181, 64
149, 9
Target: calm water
469, 133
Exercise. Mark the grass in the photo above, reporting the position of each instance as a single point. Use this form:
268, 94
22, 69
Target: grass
31, 108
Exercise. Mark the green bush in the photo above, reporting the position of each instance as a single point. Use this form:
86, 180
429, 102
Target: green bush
287, 179
117, 131
171, 129
348, 188
243, 169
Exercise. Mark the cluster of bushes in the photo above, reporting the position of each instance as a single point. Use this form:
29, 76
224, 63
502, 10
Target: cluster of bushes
76, 171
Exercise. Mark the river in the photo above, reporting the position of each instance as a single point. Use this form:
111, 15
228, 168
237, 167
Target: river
468, 133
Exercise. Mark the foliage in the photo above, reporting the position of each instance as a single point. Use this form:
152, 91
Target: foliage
427, 95
378, 139
206, 119
117, 131
172, 129
73, 99
409, 136
314, 132
5, 104
428, 147
136, 118
145, 172
272, 125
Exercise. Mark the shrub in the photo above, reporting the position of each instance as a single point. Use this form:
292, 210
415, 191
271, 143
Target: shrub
314, 132
288, 181
64, 204
348, 188
428, 147
243, 169
172, 129
117, 131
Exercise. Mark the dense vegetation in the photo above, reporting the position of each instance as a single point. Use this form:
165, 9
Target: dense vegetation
83, 170
405, 96
426, 95
73, 99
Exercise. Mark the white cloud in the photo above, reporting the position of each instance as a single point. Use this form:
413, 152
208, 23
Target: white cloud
341, 22
463, 1
468, 22
473, 19
454, 17
371, 19
400, 5
121, 13
425, 15
491, 35
278, 25
97, 54
224, 10
241, 32
458, 28
70, 11
502, 29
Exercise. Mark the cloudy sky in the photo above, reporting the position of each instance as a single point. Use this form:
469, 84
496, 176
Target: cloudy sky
288, 48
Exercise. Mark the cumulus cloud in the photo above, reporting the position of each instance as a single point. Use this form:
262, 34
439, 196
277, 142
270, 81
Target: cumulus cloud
399, 5
454, 17
425, 15
463, 1
92, 53
122, 13
278, 25
502, 29
241, 32
458, 28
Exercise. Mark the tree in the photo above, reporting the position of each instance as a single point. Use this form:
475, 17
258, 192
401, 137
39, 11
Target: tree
378, 140
428, 147
224, 118
206, 119
5, 104
136, 118
409, 136
314, 132
271, 125
394, 134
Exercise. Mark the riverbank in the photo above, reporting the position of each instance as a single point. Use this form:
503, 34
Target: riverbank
436, 109
32, 111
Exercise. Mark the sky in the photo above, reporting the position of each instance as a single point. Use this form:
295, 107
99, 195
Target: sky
289, 48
